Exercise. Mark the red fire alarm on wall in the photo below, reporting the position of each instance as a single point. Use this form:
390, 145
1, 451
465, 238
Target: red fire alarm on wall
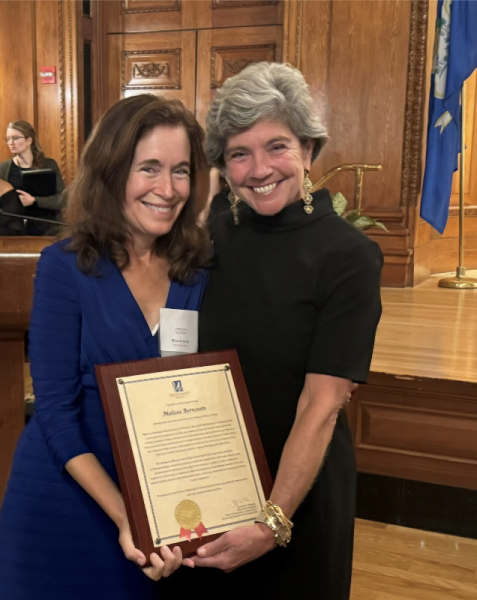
48, 74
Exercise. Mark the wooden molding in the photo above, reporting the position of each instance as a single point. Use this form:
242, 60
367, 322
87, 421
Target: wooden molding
72, 85
164, 6
413, 122
68, 85
61, 84
469, 211
292, 32
141, 70
235, 3
227, 61
417, 428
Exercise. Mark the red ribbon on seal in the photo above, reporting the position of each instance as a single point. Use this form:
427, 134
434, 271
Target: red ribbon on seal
187, 533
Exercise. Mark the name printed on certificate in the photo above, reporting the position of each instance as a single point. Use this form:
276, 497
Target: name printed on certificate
193, 456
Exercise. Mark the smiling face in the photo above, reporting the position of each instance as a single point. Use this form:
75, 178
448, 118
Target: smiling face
17, 142
158, 185
265, 166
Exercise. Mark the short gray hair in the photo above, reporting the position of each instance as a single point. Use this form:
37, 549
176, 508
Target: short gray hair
262, 92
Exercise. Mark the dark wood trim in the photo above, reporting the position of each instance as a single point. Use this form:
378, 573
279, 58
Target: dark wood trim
417, 428
425, 506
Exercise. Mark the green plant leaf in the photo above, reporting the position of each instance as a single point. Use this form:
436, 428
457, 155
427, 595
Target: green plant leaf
364, 222
354, 216
339, 203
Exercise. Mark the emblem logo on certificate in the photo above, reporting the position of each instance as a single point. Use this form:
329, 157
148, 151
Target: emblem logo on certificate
186, 446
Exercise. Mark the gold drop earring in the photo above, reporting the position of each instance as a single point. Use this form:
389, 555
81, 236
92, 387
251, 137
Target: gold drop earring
234, 206
307, 198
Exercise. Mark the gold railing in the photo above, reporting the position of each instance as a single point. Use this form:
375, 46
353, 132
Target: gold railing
359, 170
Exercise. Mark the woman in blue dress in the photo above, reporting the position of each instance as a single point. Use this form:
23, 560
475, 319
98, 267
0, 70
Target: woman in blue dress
132, 246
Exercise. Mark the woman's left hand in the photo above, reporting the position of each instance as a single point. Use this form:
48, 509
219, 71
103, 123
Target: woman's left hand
235, 548
25, 198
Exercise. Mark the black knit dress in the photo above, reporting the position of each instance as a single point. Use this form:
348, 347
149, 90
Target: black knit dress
294, 294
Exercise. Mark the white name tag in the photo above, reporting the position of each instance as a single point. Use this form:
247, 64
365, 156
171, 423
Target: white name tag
179, 331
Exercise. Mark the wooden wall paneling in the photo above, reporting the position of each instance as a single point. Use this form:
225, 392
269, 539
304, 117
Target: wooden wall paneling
417, 428
369, 44
422, 248
50, 47
308, 34
156, 63
246, 13
133, 16
292, 15
368, 61
225, 52
84, 34
100, 59
470, 174
17, 66
56, 41
414, 123
68, 33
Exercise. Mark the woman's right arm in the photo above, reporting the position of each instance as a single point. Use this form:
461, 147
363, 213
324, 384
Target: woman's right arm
88, 472
55, 347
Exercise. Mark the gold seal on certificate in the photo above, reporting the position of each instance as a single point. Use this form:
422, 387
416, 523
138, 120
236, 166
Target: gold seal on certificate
186, 446
188, 514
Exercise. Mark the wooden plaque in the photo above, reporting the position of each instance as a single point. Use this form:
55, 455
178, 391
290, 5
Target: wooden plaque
184, 441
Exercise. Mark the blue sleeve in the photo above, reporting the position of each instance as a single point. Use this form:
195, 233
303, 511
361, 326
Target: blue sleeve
55, 345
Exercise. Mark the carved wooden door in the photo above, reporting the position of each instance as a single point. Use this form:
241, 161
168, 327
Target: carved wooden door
225, 52
162, 63
131, 16
185, 49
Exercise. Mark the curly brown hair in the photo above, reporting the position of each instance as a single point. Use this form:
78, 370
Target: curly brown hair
94, 214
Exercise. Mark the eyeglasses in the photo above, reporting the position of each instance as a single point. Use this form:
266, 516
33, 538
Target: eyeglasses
14, 138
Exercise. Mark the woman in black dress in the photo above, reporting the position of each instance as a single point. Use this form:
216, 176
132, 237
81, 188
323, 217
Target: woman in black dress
296, 290
28, 155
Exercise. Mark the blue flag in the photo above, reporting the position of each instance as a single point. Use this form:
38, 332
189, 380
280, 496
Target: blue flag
455, 58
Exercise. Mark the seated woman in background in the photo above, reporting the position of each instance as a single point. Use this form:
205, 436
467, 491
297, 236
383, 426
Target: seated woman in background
133, 247
27, 155
10, 202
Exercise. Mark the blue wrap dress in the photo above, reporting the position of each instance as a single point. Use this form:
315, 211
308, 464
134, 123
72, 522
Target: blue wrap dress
56, 543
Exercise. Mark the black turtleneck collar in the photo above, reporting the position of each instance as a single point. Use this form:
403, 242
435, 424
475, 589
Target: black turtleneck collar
292, 216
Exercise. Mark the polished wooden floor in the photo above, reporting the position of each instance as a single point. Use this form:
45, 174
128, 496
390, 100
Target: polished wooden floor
397, 563
428, 331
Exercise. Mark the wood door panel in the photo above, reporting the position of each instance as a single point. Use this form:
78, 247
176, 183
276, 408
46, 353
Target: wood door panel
470, 174
240, 13
127, 16
18, 81
366, 96
416, 430
132, 16
225, 52
154, 63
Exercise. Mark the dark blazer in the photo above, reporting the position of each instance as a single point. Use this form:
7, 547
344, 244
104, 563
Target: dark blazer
55, 202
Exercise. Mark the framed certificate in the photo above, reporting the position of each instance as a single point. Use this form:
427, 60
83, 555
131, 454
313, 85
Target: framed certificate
187, 450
